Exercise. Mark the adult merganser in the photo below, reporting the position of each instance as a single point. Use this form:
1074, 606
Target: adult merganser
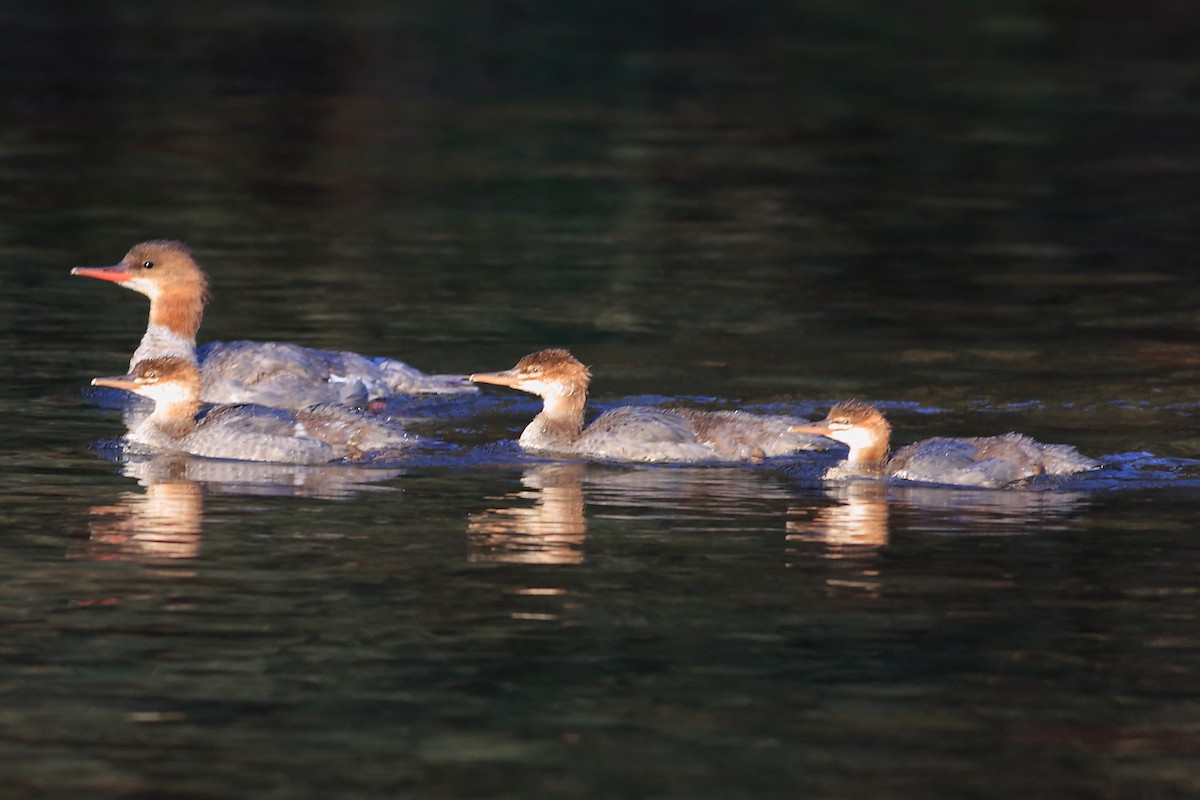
268, 373
315, 435
989, 461
637, 433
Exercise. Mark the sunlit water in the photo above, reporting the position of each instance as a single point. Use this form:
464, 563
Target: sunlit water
982, 217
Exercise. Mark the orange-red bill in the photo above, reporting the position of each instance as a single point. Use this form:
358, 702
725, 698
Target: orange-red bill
116, 274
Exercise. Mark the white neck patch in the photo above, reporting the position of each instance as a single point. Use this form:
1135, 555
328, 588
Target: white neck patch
159, 340
857, 439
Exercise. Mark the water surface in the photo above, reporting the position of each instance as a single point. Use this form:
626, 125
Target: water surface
980, 215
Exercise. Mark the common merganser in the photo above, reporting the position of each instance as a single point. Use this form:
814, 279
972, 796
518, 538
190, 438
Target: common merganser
315, 435
274, 374
637, 433
989, 461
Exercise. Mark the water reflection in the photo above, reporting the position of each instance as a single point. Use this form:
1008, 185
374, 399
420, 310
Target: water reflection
865, 511
687, 495
859, 519
550, 531
166, 521
322, 481
545, 522
974, 512
848, 534
163, 523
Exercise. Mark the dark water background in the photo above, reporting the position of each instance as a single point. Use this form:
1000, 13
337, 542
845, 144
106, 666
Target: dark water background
982, 214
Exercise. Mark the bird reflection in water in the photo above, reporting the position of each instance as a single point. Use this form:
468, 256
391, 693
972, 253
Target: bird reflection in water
956, 511
848, 534
165, 523
550, 531
859, 519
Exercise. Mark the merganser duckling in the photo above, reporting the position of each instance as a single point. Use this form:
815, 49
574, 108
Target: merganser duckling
637, 433
315, 435
268, 373
989, 461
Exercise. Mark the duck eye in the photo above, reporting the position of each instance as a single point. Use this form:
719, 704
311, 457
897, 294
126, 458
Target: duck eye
147, 265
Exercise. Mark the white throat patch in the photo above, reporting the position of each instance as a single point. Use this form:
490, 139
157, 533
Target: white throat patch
856, 439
